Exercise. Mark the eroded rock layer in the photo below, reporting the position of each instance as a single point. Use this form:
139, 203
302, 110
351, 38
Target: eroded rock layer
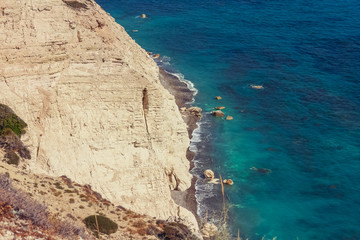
95, 109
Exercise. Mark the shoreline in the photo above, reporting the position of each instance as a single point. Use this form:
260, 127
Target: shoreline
183, 98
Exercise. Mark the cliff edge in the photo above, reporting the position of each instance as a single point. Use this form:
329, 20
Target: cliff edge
95, 108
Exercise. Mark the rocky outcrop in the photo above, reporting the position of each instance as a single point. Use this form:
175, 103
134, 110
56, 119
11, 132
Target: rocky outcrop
93, 102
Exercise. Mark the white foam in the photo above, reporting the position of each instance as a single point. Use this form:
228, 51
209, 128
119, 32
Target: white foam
164, 60
190, 85
196, 138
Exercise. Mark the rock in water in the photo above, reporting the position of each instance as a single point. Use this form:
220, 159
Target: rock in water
261, 170
257, 87
218, 113
228, 181
219, 108
229, 118
209, 174
218, 98
209, 230
195, 111
143, 15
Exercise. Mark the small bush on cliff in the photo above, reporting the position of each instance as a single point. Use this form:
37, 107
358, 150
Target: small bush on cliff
11, 128
9, 120
10, 142
105, 225
12, 158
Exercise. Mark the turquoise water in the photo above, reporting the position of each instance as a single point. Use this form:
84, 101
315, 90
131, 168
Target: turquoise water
304, 125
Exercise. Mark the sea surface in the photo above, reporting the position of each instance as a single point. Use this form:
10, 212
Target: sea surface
304, 125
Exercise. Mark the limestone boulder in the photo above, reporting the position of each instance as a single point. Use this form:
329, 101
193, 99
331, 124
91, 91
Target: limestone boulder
209, 174
228, 181
257, 87
195, 111
218, 113
209, 230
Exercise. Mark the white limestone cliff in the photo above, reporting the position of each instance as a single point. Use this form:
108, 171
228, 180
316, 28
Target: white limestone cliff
95, 109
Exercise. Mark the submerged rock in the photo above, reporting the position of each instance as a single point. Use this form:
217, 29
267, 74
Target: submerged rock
261, 170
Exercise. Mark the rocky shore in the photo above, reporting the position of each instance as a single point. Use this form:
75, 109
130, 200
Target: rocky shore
191, 115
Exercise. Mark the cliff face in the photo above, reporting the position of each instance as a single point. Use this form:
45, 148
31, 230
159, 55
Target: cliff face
95, 109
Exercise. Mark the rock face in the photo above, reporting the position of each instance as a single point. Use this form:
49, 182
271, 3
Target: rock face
93, 102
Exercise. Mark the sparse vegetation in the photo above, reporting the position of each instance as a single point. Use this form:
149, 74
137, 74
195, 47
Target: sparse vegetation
26, 208
153, 230
105, 225
9, 120
58, 185
139, 223
11, 128
12, 158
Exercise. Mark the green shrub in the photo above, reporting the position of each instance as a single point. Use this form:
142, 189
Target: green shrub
12, 143
106, 225
12, 158
9, 120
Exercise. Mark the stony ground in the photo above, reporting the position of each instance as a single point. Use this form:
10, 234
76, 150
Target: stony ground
68, 202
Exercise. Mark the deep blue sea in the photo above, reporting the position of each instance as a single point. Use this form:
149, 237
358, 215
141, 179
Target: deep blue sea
304, 124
